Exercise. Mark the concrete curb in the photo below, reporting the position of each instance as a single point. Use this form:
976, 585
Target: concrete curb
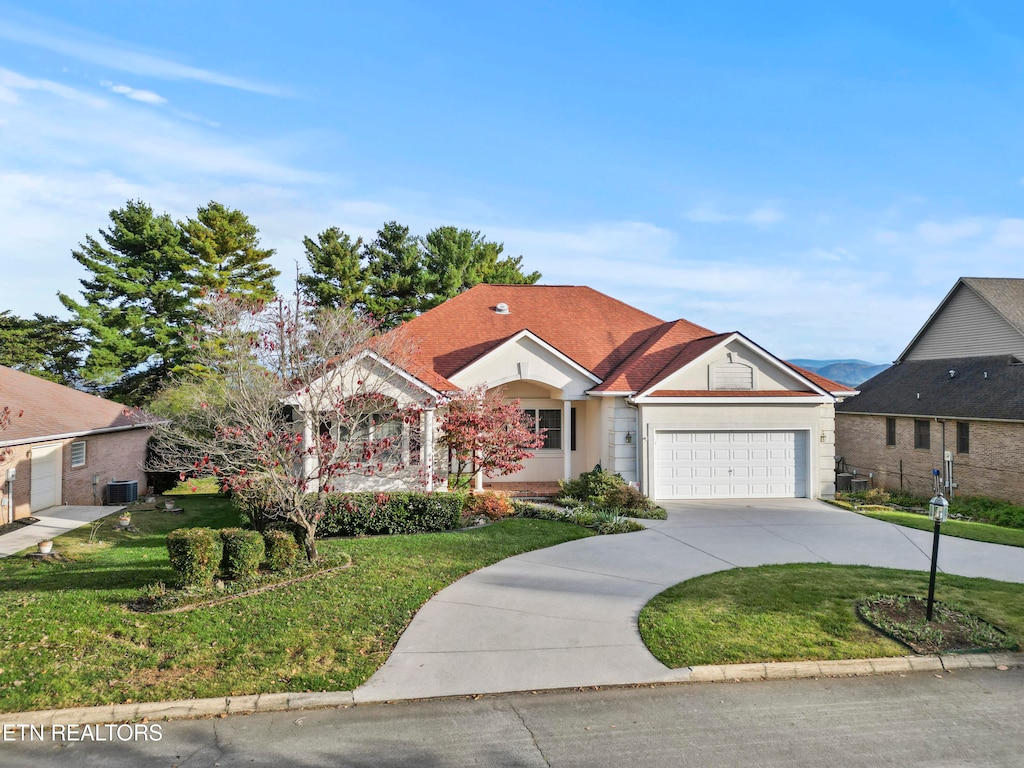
715, 673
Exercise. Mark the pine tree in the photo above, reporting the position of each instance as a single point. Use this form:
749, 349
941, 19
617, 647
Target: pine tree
136, 305
338, 279
396, 277
457, 259
44, 346
225, 245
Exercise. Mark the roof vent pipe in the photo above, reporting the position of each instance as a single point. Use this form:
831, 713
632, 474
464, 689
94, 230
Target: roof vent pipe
952, 373
985, 375
501, 309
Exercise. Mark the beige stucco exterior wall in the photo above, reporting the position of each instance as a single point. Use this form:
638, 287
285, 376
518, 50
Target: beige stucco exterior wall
698, 374
525, 360
817, 420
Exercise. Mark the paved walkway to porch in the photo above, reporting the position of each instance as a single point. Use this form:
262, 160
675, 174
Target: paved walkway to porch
52, 522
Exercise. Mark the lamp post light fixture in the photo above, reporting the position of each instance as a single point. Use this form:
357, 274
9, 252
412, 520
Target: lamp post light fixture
938, 509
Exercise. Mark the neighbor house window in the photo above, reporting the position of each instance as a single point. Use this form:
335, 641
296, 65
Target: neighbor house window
922, 433
549, 420
78, 454
963, 437
890, 431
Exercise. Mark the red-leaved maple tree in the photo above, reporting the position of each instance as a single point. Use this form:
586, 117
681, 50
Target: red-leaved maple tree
486, 433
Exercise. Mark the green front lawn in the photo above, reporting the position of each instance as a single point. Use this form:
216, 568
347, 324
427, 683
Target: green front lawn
802, 612
962, 529
68, 640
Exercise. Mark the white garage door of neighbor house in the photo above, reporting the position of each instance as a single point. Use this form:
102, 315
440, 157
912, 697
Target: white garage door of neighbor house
45, 477
730, 465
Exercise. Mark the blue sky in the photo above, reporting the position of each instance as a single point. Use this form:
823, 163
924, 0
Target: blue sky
815, 175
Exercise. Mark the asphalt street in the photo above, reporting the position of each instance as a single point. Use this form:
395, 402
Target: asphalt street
973, 717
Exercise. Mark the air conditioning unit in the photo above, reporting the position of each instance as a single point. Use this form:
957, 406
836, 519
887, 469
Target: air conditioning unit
122, 491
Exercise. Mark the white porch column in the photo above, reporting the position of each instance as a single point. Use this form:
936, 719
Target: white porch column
428, 447
309, 460
567, 439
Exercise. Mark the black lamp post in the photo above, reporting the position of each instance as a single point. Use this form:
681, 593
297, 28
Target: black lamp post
938, 508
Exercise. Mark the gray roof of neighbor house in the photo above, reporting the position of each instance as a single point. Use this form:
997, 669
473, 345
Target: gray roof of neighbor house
1005, 294
980, 388
43, 409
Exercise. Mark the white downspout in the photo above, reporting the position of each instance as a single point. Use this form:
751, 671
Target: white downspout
637, 442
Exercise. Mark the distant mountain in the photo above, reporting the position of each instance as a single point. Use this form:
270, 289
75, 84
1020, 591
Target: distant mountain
852, 373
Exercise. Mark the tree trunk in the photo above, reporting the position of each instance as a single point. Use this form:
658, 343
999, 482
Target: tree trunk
308, 536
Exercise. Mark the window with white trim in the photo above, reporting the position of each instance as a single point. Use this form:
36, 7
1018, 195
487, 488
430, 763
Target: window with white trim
549, 420
78, 454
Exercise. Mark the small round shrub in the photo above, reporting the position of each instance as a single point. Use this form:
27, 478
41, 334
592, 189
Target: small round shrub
281, 550
243, 553
591, 486
195, 553
625, 497
491, 504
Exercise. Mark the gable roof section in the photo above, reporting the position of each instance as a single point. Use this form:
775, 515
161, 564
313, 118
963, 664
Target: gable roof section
691, 351
981, 388
590, 328
1003, 295
48, 409
669, 348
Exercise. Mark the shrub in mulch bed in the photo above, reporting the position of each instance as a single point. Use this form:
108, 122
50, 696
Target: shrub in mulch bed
196, 554
952, 629
281, 550
243, 553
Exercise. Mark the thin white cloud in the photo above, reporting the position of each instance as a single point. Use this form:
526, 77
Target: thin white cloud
135, 94
762, 215
1009, 233
12, 82
118, 56
947, 233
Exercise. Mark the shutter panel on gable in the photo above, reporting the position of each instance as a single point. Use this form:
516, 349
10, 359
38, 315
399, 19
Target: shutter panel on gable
732, 376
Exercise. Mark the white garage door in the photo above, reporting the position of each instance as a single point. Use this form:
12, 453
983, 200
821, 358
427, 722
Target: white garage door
730, 465
45, 477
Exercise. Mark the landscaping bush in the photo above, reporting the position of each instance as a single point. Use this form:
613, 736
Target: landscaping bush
195, 553
368, 513
243, 553
602, 521
490, 504
281, 551
591, 486
987, 510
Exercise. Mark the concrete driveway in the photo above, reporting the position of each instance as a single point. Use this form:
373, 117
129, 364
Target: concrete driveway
566, 616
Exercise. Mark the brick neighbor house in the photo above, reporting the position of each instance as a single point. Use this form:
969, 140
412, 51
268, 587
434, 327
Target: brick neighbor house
952, 401
63, 446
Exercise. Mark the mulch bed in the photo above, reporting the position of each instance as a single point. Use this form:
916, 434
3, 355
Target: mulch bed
951, 630
17, 525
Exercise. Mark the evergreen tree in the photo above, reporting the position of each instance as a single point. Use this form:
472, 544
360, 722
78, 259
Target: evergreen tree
228, 259
136, 305
43, 346
395, 276
338, 279
455, 260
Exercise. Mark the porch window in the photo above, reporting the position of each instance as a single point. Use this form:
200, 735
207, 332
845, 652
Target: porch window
550, 420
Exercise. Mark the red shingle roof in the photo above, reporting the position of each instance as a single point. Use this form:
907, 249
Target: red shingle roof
629, 350
49, 409
594, 330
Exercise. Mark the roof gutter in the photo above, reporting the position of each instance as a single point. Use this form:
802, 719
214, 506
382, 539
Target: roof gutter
84, 433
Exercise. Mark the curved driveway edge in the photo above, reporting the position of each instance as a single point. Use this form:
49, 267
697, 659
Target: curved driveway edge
566, 616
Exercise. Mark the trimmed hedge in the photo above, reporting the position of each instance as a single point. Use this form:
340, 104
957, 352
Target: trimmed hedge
195, 553
282, 551
369, 513
243, 553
